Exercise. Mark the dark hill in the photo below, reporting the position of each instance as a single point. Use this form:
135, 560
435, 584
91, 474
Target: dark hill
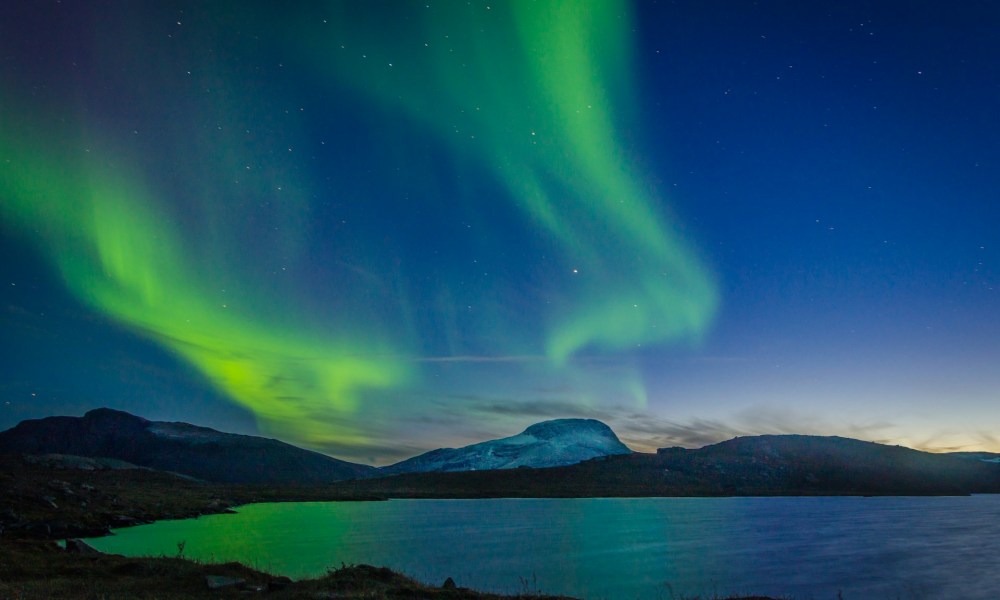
179, 447
812, 464
747, 466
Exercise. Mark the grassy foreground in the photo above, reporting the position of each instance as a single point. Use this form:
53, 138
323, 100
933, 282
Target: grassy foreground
37, 569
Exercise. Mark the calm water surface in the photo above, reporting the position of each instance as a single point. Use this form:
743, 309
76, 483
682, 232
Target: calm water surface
618, 548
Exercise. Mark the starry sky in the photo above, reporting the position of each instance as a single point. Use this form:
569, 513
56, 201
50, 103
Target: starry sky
377, 228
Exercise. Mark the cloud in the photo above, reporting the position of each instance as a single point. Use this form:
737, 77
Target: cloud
951, 441
645, 432
474, 358
551, 409
988, 440
648, 433
372, 454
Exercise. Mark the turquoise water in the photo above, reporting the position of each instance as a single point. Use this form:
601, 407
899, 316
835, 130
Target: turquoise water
644, 549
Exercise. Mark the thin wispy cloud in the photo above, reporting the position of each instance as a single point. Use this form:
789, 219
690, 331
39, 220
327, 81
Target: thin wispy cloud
476, 358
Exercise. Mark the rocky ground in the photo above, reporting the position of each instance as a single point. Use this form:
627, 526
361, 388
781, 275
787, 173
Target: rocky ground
39, 569
57, 498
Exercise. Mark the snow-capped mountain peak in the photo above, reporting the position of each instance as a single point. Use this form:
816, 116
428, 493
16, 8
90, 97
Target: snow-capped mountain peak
547, 444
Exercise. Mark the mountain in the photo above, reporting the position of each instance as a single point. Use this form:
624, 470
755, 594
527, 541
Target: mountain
546, 444
991, 457
767, 465
178, 447
780, 463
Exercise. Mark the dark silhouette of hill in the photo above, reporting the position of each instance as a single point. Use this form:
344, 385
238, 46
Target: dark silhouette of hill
767, 465
178, 447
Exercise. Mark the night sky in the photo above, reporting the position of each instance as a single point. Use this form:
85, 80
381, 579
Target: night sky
376, 228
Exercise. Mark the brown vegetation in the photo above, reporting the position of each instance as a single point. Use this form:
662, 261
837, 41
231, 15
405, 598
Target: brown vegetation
39, 569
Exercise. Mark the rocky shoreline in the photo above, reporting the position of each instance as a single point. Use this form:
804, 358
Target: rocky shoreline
54, 497
59, 496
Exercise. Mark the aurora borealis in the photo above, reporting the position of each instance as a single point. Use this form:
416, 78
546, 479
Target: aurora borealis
377, 228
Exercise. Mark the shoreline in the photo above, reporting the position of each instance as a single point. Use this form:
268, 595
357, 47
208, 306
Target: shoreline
40, 505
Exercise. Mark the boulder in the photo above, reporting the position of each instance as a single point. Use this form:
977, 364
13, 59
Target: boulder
278, 582
78, 546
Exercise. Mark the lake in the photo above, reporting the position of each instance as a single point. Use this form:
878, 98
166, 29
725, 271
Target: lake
635, 548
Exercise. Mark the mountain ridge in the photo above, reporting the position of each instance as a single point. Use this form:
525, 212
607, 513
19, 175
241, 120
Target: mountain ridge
178, 447
767, 465
553, 443
741, 466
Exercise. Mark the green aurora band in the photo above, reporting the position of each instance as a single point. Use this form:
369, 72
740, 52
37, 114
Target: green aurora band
530, 88
118, 254
534, 92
